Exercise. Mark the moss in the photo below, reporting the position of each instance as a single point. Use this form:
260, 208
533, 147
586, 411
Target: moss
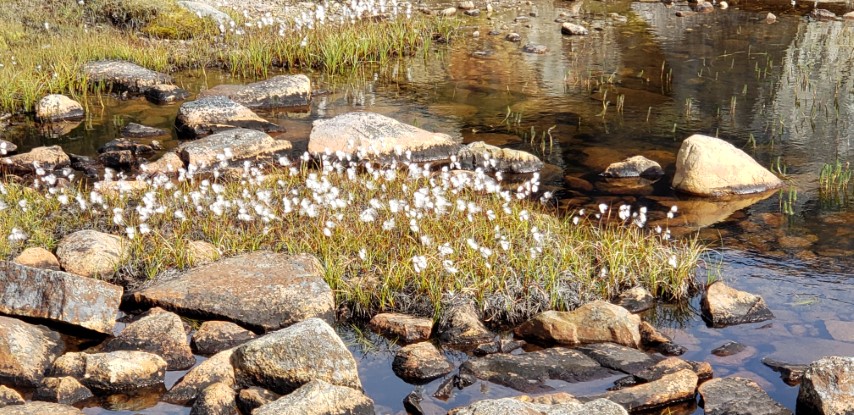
179, 24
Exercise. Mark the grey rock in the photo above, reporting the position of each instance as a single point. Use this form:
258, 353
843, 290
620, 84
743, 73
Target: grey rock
206, 10
212, 114
122, 371
791, 373
617, 357
119, 160
724, 396
472, 12
243, 144
513, 37
492, 158
528, 372
216, 399
534, 48
376, 136
215, 336
284, 360
420, 363
91, 253
724, 306
262, 290
729, 348
64, 390
637, 166
135, 130
166, 94
827, 387
58, 296
217, 369
161, 333
26, 352
123, 76
56, 107
277, 92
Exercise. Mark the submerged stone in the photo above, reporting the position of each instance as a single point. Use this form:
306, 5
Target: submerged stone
725, 306
637, 166
420, 363
123, 76
492, 158
276, 92
724, 396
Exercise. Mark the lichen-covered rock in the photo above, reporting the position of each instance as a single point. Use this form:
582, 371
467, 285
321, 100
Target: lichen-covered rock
242, 144
217, 369
91, 253
216, 336
166, 93
420, 363
168, 163
827, 387
123, 76
276, 92
58, 296
46, 158
26, 352
38, 257
724, 396
406, 328
708, 166
594, 322
122, 371
284, 360
161, 333
724, 306
617, 357
528, 372
212, 114
135, 130
71, 364
514, 406
216, 399
202, 253
253, 397
320, 398
262, 290
492, 158
56, 107
376, 136
65, 390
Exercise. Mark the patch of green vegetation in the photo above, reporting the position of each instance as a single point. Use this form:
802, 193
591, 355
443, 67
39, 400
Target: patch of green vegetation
835, 177
179, 24
399, 239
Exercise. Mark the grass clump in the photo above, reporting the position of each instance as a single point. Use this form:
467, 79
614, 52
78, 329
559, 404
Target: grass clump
835, 177
405, 238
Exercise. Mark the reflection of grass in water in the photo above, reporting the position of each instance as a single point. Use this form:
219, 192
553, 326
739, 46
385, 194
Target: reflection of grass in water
674, 316
804, 300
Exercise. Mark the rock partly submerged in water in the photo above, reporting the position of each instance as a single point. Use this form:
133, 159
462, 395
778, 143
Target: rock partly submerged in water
708, 166
724, 306
491, 158
376, 136
517, 406
403, 327
736, 395
594, 322
59, 296
261, 290
420, 363
277, 92
123, 76
568, 28
637, 166
241, 144
46, 158
827, 387
212, 114
319, 397
217, 369
56, 107
287, 359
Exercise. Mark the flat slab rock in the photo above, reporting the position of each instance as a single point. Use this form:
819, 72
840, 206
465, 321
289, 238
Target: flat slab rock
51, 157
373, 135
276, 92
36, 407
675, 387
528, 372
59, 296
492, 158
212, 114
263, 290
724, 306
723, 396
617, 357
525, 406
124, 76
241, 142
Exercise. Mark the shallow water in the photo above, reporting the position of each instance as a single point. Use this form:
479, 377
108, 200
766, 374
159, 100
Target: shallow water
784, 92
